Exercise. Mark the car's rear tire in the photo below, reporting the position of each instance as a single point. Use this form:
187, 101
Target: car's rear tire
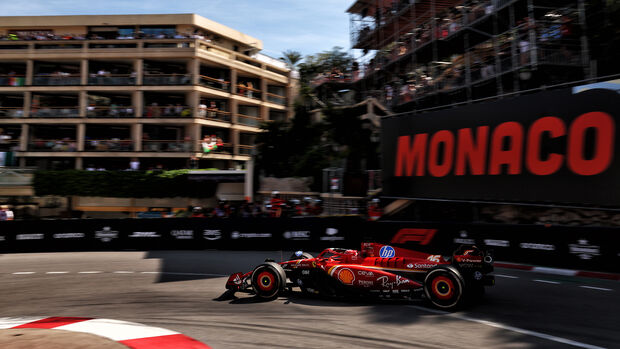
304, 255
443, 287
268, 280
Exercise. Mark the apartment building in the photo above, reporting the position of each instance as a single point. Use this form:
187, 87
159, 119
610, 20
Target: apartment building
144, 91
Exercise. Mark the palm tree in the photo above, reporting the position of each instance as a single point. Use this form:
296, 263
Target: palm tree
291, 58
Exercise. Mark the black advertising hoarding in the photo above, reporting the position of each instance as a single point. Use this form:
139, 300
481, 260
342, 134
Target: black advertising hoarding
557, 146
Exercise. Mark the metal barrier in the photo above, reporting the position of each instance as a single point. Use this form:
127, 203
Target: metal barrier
587, 248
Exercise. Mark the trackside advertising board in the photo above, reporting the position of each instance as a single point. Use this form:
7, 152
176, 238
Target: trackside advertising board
557, 146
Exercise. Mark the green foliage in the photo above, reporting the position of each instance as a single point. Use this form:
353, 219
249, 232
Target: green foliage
324, 62
120, 184
291, 58
292, 149
352, 136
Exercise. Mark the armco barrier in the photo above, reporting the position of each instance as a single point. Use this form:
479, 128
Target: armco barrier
587, 248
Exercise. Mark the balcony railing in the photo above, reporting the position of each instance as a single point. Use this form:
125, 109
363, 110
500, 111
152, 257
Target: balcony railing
60, 80
249, 92
219, 84
9, 144
113, 144
110, 112
275, 98
248, 120
12, 80
167, 146
245, 149
55, 112
214, 114
11, 112
114, 80
167, 79
52, 145
170, 111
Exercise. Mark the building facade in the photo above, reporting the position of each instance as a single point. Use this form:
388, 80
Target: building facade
134, 91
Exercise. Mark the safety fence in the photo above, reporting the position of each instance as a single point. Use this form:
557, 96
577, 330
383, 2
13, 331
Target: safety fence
586, 248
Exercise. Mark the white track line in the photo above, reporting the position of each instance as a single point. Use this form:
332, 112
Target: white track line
23, 273
547, 281
507, 276
56, 272
195, 274
597, 288
149, 272
510, 328
554, 271
90, 272
123, 272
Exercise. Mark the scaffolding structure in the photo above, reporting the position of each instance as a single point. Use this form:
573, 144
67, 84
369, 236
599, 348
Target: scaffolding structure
419, 54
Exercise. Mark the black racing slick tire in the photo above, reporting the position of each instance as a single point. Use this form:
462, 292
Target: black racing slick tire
443, 287
304, 255
268, 280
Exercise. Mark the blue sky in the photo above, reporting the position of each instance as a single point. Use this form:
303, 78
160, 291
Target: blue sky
305, 26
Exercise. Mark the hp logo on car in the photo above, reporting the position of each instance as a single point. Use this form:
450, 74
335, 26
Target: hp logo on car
387, 252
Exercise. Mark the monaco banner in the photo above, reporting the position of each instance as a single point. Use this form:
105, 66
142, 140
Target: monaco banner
550, 147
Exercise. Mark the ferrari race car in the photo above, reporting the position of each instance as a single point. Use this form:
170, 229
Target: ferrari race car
376, 271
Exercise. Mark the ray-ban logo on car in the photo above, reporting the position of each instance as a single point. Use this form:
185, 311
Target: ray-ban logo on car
212, 234
387, 252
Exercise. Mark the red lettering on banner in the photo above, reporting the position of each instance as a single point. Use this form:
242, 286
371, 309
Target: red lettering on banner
555, 127
604, 125
511, 157
469, 152
510, 146
434, 167
423, 236
411, 156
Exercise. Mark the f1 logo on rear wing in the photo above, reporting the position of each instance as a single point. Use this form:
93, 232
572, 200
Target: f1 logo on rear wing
423, 236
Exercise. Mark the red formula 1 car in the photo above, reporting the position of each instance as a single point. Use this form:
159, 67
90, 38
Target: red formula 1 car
377, 270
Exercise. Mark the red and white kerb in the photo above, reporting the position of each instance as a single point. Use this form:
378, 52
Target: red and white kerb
131, 334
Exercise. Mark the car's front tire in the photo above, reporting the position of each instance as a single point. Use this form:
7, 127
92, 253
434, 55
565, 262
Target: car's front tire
268, 280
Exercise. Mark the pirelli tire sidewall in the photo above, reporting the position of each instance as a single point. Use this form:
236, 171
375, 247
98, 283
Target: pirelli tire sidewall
444, 287
268, 280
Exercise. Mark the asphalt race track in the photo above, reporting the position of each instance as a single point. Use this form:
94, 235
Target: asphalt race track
176, 290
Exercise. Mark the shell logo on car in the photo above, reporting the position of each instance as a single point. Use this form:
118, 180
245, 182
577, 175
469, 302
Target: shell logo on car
346, 276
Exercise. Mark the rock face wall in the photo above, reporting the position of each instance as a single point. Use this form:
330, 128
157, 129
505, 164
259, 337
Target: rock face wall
288, 184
